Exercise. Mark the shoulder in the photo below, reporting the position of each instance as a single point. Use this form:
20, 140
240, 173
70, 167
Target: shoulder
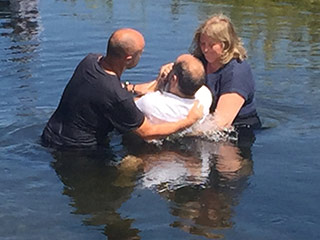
90, 58
88, 65
233, 70
204, 96
236, 73
149, 99
242, 67
238, 78
237, 68
203, 91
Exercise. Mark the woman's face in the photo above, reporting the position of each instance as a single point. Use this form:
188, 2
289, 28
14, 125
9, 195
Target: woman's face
211, 50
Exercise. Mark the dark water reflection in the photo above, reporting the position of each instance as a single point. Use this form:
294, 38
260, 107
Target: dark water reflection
190, 189
91, 183
201, 192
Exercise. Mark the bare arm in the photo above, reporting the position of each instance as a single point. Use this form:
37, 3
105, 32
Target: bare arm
143, 88
228, 107
150, 131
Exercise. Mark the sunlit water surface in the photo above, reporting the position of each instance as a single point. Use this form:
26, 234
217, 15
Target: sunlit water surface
190, 188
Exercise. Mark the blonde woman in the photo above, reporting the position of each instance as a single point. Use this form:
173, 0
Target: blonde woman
228, 75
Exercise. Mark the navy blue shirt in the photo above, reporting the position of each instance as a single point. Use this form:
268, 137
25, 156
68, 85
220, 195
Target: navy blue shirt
93, 104
235, 77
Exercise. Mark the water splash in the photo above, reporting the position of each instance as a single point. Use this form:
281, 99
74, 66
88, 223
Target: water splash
207, 130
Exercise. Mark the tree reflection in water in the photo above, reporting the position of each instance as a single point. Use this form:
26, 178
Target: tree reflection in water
201, 210
20, 23
202, 182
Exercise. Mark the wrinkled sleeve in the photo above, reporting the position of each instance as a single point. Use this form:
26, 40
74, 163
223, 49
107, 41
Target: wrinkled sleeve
125, 116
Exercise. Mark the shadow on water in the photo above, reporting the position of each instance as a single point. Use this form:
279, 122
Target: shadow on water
201, 181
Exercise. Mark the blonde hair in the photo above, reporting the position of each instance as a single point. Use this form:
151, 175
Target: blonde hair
220, 29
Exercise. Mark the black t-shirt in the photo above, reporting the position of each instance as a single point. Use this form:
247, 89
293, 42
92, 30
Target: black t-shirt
93, 104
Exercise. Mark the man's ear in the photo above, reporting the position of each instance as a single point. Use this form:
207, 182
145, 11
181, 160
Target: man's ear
129, 58
174, 79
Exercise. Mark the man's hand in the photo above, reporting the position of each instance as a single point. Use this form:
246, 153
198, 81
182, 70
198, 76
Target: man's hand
144, 88
196, 112
159, 83
162, 78
165, 70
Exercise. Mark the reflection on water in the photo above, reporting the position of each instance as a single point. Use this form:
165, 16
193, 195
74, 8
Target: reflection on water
192, 188
19, 34
201, 180
92, 184
20, 24
23, 17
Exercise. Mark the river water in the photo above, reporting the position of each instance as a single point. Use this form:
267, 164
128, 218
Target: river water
188, 189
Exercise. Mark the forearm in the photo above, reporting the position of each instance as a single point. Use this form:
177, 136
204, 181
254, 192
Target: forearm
142, 88
150, 131
222, 121
227, 109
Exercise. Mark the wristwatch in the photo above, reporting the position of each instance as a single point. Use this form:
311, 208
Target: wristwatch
126, 84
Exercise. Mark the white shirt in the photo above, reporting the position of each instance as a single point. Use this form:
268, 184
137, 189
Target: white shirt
167, 107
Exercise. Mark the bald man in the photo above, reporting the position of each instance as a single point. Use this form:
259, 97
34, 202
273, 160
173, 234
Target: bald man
95, 102
185, 84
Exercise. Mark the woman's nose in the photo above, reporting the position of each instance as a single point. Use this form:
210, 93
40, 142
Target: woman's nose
204, 48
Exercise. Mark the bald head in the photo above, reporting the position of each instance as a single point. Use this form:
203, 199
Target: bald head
124, 42
190, 73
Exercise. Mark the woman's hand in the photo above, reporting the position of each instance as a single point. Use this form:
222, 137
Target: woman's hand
163, 74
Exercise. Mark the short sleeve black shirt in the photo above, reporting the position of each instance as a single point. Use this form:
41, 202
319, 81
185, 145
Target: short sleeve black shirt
93, 104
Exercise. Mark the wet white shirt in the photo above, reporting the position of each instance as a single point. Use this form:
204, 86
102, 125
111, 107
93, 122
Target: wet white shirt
167, 107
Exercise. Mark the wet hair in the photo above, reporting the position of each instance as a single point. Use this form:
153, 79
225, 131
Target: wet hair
188, 82
220, 29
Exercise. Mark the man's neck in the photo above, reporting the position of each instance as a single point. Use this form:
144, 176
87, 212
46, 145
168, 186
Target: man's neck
177, 92
112, 66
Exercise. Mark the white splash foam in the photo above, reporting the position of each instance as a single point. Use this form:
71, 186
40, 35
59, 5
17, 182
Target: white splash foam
206, 130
